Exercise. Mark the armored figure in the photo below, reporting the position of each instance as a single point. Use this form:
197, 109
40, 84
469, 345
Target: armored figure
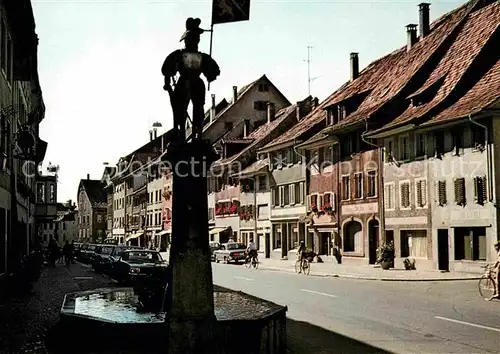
189, 63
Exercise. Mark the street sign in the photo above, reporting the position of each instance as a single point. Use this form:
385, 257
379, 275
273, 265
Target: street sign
225, 11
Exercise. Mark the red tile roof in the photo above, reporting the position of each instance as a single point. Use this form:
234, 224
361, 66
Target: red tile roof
261, 132
479, 29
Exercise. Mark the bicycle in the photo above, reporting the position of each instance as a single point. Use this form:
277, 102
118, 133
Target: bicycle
252, 262
487, 284
304, 264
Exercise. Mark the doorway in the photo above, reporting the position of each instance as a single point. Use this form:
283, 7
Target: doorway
443, 254
373, 229
268, 245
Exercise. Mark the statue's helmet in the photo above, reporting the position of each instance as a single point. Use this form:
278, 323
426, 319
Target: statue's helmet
192, 28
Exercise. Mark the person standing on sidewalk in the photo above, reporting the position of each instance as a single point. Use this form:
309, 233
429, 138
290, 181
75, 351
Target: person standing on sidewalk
68, 253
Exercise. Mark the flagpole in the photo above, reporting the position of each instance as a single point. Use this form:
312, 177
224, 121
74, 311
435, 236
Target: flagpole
211, 41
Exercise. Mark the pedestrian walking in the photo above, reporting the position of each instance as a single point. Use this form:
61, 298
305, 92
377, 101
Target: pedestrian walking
68, 253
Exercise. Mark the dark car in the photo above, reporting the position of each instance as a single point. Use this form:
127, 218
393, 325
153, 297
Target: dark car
214, 246
101, 256
86, 254
113, 257
137, 263
76, 249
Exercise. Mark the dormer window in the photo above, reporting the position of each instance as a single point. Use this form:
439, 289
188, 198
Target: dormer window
260, 105
341, 111
332, 116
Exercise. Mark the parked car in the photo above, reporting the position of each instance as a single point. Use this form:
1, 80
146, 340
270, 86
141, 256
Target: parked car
101, 256
86, 254
214, 246
113, 257
137, 263
231, 252
76, 249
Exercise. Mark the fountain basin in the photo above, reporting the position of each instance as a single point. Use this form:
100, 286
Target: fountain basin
245, 324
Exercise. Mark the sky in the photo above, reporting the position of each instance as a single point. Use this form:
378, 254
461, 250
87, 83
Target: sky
100, 63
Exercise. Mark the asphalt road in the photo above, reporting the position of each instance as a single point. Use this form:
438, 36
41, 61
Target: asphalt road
328, 315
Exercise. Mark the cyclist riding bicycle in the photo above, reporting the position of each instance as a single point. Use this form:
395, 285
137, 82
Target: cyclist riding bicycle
301, 254
252, 250
496, 268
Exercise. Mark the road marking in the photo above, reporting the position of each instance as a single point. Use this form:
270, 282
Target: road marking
468, 323
243, 278
317, 292
83, 278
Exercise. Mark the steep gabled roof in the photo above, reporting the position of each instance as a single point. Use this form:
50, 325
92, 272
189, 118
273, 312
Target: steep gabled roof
95, 190
396, 72
258, 137
469, 69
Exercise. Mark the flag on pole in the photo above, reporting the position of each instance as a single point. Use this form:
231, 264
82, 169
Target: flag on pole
225, 11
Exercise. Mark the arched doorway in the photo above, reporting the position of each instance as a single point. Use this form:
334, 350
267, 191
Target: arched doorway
373, 237
353, 237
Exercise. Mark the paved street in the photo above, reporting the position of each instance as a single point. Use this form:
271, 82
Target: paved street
401, 317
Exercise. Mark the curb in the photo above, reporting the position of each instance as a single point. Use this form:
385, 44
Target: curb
361, 277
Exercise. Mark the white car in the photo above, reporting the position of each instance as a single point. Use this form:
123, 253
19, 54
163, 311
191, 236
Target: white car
231, 252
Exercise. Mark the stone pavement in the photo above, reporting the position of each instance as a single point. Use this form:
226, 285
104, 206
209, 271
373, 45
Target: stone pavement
366, 272
24, 322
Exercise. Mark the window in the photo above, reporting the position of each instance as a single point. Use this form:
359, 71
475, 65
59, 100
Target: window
439, 143
421, 193
263, 212
389, 197
260, 105
388, 150
275, 196
404, 195
414, 243
478, 137
346, 188
40, 193
460, 191
420, 144
332, 116
358, 185
286, 197
291, 189
441, 193
282, 195
298, 196
262, 183
263, 87
404, 148
327, 199
458, 140
480, 195
372, 184
347, 146
314, 200
470, 243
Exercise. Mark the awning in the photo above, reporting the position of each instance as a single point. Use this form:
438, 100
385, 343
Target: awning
217, 230
137, 234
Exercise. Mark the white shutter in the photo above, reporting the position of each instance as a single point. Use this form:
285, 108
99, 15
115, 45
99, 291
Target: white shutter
292, 194
308, 206
302, 193
273, 196
282, 195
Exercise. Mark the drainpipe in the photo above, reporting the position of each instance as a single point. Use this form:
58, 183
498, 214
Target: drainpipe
255, 212
380, 182
488, 158
306, 231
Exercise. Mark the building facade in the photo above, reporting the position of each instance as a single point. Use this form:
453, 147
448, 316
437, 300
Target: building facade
92, 210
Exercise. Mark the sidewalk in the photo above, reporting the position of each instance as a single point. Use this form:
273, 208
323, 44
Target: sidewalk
24, 321
365, 272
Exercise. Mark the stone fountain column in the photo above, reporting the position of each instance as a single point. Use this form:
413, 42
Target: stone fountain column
190, 300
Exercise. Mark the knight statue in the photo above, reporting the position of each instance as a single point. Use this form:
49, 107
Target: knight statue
189, 63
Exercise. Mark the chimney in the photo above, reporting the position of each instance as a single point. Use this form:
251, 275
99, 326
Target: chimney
424, 19
297, 111
155, 133
270, 112
411, 30
354, 66
315, 102
150, 135
235, 93
212, 110
88, 176
246, 128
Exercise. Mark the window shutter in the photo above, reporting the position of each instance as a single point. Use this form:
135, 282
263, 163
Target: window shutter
442, 193
480, 195
273, 196
292, 194
308, 203
405, 195
460, 191
334, 201
282, 195
421, 193
320, 201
